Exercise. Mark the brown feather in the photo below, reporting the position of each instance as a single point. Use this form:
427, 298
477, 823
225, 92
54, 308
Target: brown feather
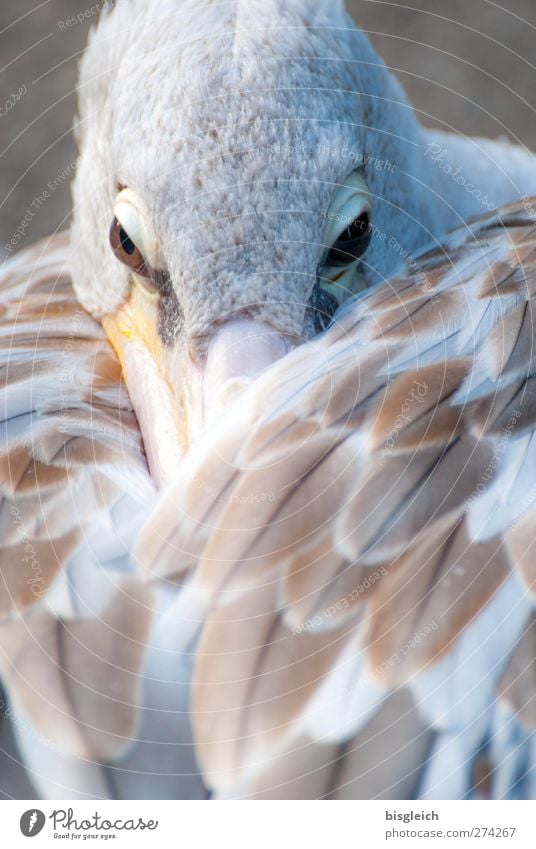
386, 759
69, 430
518, 685
253, 679
77, 681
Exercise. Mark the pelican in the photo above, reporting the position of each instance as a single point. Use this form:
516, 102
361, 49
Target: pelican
364, 525
240, 311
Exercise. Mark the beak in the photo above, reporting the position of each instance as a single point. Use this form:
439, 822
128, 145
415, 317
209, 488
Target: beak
176, 398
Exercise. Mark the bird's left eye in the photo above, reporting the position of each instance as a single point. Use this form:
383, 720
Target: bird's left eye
347, 235
126, 250
349, 230
352, 243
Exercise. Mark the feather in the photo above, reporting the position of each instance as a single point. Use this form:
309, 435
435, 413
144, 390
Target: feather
395, 743
517, 687
67, 425
253, 678
75, 683
376, 561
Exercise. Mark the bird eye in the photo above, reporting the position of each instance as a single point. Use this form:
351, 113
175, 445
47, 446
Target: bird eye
133, 238
347, 235
126, 250
352, 243
349, 230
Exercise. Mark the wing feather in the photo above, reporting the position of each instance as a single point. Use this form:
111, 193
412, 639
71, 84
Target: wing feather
69, 435
385, 435
77, 681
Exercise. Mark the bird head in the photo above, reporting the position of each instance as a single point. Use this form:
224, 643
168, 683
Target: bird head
241, 173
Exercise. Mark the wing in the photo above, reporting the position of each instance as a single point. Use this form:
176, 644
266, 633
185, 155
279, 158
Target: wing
95, 664
71, 448
365, 520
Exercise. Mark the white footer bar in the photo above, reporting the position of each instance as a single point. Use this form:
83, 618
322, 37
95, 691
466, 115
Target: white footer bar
269, 825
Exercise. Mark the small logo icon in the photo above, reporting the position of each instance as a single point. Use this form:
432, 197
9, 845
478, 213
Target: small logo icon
32, 822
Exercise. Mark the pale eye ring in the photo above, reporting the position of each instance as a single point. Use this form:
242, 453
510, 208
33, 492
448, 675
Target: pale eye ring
126, 250
352, 243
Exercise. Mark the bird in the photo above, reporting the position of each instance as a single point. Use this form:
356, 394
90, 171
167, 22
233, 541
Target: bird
364, 525
243, 188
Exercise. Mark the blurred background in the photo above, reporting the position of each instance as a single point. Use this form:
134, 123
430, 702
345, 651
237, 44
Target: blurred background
466, 64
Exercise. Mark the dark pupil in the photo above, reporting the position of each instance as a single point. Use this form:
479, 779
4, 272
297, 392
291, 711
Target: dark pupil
352, 243
127, 244
356, 230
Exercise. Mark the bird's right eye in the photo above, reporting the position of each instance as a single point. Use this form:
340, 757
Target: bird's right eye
126, 250
134, 241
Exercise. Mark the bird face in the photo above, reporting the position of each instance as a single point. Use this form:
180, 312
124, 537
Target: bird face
223, 208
